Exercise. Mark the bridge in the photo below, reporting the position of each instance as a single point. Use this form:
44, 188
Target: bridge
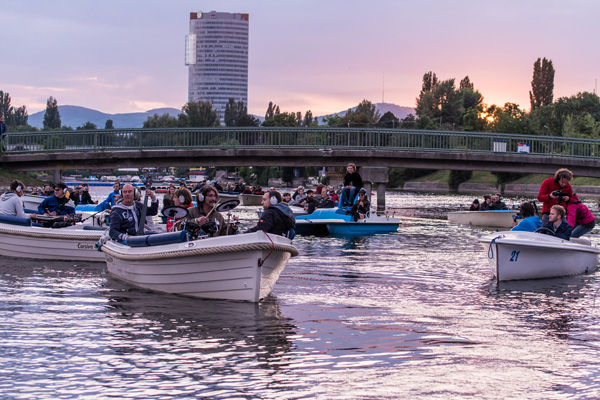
298, 147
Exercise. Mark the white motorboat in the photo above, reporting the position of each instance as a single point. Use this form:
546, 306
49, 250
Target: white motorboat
527, 255
32, 201
250, 199
237, 267
74, 243
491, 218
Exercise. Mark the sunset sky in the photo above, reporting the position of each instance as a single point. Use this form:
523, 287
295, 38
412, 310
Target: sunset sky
120, 56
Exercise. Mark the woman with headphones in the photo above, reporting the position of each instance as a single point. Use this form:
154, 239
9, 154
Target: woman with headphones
277, 218
11, 203
181, 198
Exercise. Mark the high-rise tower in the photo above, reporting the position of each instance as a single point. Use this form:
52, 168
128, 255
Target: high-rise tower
216, 51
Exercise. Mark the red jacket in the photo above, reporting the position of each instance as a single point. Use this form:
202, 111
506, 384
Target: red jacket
579, 214
549, 186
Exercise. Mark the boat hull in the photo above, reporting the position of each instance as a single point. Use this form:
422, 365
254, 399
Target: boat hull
66, 244
527, 255
360, 229
336, 222
250, 199
227, 267
493, 218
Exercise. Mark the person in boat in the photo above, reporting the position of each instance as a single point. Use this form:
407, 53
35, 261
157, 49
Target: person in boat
287, 197
310, 202
352, 184
530, 222
58, 203
206, 211
474, 205
126, 215
248, 190
182, 198
113, 197
362, 206
218, 186
298, 190
81, 196
11, 203
48, 190
333, 194
497, 203
277, 217
298, 198
239, 186
168, 198
579, 217
326, 200
557, 222
258, 190
555, 190
487, 203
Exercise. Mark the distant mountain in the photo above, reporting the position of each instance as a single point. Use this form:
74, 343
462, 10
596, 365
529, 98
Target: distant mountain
75, 116
399, 111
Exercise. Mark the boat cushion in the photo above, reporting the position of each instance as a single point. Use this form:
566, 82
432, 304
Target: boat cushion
93, 228
7, 219
158, 239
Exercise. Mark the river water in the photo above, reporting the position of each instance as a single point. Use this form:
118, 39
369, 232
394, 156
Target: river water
412, 314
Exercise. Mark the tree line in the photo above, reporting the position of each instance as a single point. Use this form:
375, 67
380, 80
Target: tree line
440, 105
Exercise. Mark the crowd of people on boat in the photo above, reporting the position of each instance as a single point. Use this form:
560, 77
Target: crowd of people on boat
562, 214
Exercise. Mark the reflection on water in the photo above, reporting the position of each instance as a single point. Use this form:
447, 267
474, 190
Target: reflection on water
406, 315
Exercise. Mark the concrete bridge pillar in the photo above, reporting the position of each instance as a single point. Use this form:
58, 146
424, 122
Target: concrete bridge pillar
57, 175
379, 177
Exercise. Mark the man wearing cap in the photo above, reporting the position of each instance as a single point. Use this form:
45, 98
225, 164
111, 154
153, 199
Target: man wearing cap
11, 203
58, 203
310, 203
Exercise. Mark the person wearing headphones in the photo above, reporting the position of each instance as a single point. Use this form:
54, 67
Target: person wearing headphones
10, 202
125, 216
206, 211
58, 204
277, 216
181, 198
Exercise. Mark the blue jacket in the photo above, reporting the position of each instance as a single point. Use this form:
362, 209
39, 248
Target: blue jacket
62, 206
529, 224
563, 231
123, 222
110, 201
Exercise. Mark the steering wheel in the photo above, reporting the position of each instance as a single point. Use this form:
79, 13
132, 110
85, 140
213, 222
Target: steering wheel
545, 231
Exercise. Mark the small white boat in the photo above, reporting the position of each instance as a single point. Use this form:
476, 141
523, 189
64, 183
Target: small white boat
74, 243
250, 199
492, 218
32, 201
237, 267
527, 255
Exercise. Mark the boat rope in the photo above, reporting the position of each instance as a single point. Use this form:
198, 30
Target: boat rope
491, 248
202, 251
261, 262
51, 235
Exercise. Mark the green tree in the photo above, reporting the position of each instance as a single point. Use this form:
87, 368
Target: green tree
161, 121
109, 124
332, 120
281, 119
6, 110
388, 120
542, 84
408, 122
20, 116
507, 119
287, 175
87, 126
308, 118
199, 114
236, 114
52, 115
440, 101
364, 115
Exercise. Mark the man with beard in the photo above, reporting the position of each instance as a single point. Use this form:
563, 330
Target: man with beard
126, 215
277, 217
206, 211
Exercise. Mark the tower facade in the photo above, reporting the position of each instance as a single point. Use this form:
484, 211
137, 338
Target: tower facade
216, 52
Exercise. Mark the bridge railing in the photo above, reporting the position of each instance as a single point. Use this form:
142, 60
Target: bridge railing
321, 138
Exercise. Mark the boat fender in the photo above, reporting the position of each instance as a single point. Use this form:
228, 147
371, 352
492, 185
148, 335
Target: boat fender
158, 239
8, 219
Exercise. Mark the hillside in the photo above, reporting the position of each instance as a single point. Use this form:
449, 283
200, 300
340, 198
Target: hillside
75, 116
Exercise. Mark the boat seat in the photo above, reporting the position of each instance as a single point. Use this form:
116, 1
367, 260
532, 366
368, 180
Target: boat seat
581, 241
93, 228
158, 239
8, 219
